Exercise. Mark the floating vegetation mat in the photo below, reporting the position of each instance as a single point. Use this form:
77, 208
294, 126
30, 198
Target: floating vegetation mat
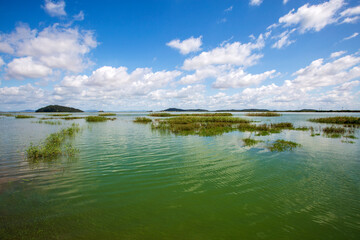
281, 145
49, 122
142, 120
190, 115
107, 114
24, 116
53, 146
98, 119
60, 114
263, 114
338, 120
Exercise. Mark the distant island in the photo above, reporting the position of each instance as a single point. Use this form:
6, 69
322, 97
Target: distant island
58, 108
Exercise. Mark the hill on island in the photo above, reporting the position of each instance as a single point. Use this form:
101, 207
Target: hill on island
58, 108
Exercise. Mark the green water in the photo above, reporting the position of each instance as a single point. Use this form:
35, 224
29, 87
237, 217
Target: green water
130, 182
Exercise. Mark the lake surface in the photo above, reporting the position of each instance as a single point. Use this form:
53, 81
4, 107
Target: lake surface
131, 182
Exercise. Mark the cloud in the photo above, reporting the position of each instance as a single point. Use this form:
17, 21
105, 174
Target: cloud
1, 61
22, 95
313, 17
55, 9
237, 78
285, 1
284, 40
54, 47
236, 53
351, 36
337, 54
229, 9
255, 2
351, 12
109, 82
186, 46
26, 67
79, 16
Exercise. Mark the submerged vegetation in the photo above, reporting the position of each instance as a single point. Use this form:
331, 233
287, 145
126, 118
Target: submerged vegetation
53, 146
281, 145
250, 142
263, 114
49, 122
97, 119
107, 114
190, 115
60, 114
142, 120
337, 120
24, 116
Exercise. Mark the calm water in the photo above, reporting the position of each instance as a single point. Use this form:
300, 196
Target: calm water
129, 182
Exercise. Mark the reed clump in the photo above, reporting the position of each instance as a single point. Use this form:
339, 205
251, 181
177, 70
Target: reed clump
250, 142
98, 119
281, 145
53, 147
49, 122
107, 114
60, 114
72, 118
191, 115
6, 114
142, 120
24, 116
263, 114
337, 120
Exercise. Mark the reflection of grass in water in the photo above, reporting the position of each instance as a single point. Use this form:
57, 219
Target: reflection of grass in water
24, 116
281, 145
263, 114
337, 120
53, 146
190, 115
142, 120
250, 142
107, 114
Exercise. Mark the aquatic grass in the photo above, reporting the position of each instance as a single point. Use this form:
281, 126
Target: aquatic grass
337, 120
190, 115
347, 141
72, 118
7, 114
282, 125
263, 114
52, 147
98, 119
281, 145
49, 122
24, 116
332, 129
60, 114
350, 136
160, 115
107, 114
142, 120
192, 119
250, 142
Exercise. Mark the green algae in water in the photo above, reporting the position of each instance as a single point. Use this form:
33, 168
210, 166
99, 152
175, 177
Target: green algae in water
281, 145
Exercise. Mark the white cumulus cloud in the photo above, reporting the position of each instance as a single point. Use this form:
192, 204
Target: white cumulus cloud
186, 46
255, 2
55, 8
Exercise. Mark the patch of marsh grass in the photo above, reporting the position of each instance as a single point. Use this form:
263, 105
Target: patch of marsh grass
263, 114
337, 120
24, 116
107, 114
52, 147
281, 145
191, 115
7, 114
142, 120
250, 142
60, 114
49, 122
98, 119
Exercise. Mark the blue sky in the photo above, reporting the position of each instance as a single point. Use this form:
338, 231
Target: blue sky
151, 55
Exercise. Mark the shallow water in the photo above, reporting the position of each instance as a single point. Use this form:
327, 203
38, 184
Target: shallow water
131, 182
